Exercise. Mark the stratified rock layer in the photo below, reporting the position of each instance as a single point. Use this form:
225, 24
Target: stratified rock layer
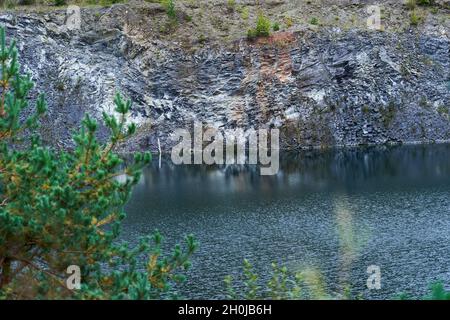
320, 87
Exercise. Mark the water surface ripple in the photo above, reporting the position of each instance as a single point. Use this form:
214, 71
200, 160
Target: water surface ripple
338, 211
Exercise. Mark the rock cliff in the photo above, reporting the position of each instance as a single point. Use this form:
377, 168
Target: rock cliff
326, 82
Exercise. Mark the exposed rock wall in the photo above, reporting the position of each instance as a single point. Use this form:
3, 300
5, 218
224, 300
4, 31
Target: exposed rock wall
321, 87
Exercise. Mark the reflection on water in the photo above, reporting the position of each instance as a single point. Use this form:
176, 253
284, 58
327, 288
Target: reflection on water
337, 211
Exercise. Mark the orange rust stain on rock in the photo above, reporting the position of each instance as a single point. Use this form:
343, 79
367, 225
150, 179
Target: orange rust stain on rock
275, 64
279, 38
278, 63
263, 102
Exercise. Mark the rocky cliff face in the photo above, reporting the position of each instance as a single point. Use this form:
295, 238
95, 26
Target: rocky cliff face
320, 85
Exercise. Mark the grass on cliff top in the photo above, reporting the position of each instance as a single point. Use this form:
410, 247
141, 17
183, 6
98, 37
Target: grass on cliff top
194, 23
51, 5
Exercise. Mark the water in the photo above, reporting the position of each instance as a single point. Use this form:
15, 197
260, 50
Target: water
336, 211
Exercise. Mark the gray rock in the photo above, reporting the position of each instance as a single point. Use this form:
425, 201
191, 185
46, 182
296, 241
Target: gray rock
324, 88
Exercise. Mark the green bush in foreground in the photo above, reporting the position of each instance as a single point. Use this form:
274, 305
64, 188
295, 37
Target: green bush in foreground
307, 284
61, 208
437, 292
282, 285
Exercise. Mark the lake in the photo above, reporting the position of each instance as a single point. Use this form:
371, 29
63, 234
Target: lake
336, 212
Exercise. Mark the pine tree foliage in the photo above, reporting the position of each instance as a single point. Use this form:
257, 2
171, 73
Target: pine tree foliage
60, 208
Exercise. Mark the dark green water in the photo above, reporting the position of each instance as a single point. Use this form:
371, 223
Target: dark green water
338, 212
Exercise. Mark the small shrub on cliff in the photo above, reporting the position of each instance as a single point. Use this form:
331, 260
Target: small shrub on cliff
11, 4
263, 25
443, 110
61, 209
314, 21
169, 5
26, 2
262, 28
414, 18
251, 34
388, 114
244, 11
276, 27
425, 2
60, 2
289, 22
8, 4
231, 5
411, 4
